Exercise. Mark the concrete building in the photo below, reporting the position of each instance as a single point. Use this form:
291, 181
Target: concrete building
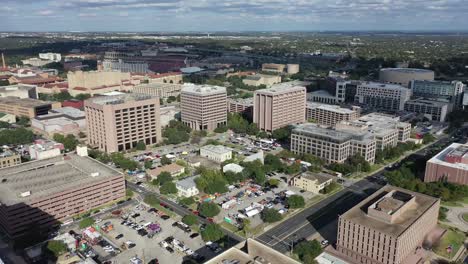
203, 107
279, 106
240, 105
331, 145
118, 123
173, 169
432, 109
45, 149
55, 57
65, 120
26, 107
311, 181
94, 82
403, 76
187, 187
7, 118
125, 66
9, 159
322, 96
292, 68
451, 165
329, 115
273, 67
19, 91
451, 92
168, 77
162, 90
387, 227
390, 97
38, 194
36, 62
262, 79
217, 153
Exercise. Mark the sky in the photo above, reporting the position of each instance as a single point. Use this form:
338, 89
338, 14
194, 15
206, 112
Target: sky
229, 15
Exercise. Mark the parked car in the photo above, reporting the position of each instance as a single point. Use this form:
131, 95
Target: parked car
119, 236
194, 235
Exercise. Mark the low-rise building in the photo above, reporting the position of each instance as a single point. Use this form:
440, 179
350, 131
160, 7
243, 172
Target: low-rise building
162, 90
261, 79
311, 181
232, 167
432, 109
273, 67
240, 105
173, 169
26, 107
7, 118
187, 187
45, 149
65, 120
390, 97
217, 153
451, 165
329, 115
9, 158
168, 77
19, 91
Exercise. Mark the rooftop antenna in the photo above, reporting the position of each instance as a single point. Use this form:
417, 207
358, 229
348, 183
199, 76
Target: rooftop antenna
3, 61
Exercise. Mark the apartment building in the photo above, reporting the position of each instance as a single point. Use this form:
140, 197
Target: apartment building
38, 194
240, 105
390, 97
329, 115
203, 107
432, 109
451, 165
45, 149
451, 92
9, 158
311, 181
119, 122
387, 227
279, 106
331, 145
26, 107
159, 89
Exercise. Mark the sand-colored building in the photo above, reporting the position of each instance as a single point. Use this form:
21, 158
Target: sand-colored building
311, 181
273, 67
262, 79
98, 82
9, 158
26, 107
329, 115
159, 89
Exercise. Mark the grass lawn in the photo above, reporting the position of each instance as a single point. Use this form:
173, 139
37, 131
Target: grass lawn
465, 217
451, 237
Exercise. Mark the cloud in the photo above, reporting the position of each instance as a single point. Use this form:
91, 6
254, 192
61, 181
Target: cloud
47, 12
87, 15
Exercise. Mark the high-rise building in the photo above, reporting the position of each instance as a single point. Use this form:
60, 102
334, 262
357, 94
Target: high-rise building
391, 97
329, 115
279, 106
387, 227
451, 92
203, 107
119, 122
450, 165
331, 145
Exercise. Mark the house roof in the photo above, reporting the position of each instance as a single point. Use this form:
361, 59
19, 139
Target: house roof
171, 168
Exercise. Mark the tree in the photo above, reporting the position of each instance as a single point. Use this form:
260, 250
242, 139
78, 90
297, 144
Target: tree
274, 162
23, 121
171, 99
187, 201
273, 182
129, 193
271, 215
296, 201
428, 138
209, 209
190, 219
141, 145
282, 134
221, 129
85, 222
56, 247
16, 136
168, 188
308, 250
165, 160
4, 124
69, 142
148, 164
255, 170
155, 182
211, 181
82, 97
246, 226
212, 232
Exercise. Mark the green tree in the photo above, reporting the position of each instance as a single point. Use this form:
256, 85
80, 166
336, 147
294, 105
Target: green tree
141, 145
165, 160
85, 222
255, 170
428, 138
82, 97
273, 182
129, 193
187, 201
56, 247
211, 181
295, 201
282, 134
190, 219
168, 188
4, 124
221, 129
148, 164
271, 215
164, 177
274, 162
308, 250
69, 142
23, 121
209, 209
171, 99
212, 232
16, 136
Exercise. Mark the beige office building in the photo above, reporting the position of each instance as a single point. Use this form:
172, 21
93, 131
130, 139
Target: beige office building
118, 123
311, 181
331, 145
329, 115
279, 106
93, 79
262, 79
26, 107
273, 67
162, 90
203, 107
387, 227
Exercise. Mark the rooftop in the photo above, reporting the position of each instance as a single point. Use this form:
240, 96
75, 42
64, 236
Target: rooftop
24, 102
119, 99
378, 85
247, 101
454, 156
202, 89
13, 88
320, 177
438, 103
35, 179
282, 88
332, 108
329, 133
407, 70
322, 93
217, 149
187, 183
390, 199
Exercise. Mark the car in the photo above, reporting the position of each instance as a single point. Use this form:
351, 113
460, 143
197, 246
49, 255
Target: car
324, 243
210, 219
138, 183
154, 261
175, 224
169, 249
162, 204
98, 220
136, 260
135, 215
119, 236
165, 217
152, 210
194, 235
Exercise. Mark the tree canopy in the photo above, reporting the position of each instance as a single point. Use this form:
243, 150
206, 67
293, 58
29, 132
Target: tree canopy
212, 232
211, 181
271, 215
168, 188
56, 247
16, 136
209, 209
190, 219
307, 251
85, 222
295, 201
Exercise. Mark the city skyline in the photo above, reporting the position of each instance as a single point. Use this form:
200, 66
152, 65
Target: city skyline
209, 15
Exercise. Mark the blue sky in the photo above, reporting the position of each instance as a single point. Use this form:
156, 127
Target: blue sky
227, 15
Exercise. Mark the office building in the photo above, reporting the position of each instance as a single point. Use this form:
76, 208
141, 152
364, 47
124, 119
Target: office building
19, 91
187, 187
65, 120
9, 158
311, 181
331, 145
387, 227
55, 57
432, 109
329, 115
273, 67
451, 165
26, 107
118, 123
403, 76
45, 149
37, 195
390, 97
96, 82
451, 92
240, 105
203, 107
162, 90
279, 106
322, 96
217, 153
262, 79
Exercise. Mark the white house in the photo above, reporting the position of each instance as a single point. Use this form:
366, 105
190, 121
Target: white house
217, 153
187, 187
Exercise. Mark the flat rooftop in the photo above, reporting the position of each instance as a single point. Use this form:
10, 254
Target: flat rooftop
318, 131
378, 85
245, 101
423, 101
16, 87
202, 89
120, 99
406, 70
321, 177
331, 108
280, 88
217, 149
358, 214
35, 179
455, 149
24, 102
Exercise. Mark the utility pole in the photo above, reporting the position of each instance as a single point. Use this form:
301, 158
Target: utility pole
3, 61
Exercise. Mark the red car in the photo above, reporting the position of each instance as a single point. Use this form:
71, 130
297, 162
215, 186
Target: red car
163, 204
210, 220
195, 212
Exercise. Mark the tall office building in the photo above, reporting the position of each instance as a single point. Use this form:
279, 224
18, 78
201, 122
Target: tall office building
451, 92
387, 227
117, 123
391, 97
279, 106
203, 107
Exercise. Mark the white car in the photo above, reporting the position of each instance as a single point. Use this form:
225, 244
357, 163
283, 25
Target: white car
324, 243
136, 260
98, 220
